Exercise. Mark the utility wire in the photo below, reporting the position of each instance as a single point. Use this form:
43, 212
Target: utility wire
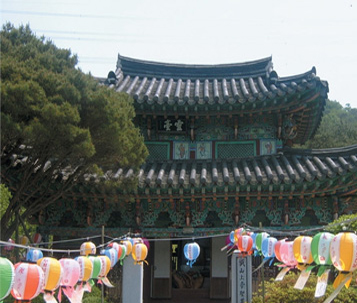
252, 228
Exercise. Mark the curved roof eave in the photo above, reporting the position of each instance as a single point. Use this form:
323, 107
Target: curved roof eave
137, 67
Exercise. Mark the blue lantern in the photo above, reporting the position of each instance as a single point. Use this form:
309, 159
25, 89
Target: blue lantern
192, 252
33, 255
268, 246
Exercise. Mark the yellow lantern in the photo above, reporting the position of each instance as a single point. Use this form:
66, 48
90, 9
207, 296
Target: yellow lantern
52, 270
129, 246
88, 248
139, 252
343, 252
302, 251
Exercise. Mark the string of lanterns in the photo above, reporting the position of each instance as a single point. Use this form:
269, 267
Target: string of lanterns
326, 250
72, 277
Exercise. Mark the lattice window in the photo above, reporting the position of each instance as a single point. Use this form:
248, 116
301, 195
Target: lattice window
158, 151
229, 150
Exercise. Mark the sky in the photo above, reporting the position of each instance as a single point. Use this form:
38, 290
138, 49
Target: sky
297, 34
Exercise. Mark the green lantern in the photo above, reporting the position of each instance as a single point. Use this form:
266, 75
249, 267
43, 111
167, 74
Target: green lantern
7, 276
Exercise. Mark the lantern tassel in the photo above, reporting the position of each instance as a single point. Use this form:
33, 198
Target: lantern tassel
347, 279
341, 277
107, 282
48, 297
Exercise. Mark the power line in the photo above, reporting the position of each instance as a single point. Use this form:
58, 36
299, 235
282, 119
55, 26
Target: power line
63, 15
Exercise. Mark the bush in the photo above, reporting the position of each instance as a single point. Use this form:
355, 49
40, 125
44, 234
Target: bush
284, 291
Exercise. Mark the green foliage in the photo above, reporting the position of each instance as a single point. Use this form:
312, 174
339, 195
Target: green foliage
338, 127
5, 196
284, 291
343, 223
58, 122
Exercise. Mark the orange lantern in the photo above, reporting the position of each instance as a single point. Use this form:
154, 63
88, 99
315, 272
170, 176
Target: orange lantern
29, 281
245, 244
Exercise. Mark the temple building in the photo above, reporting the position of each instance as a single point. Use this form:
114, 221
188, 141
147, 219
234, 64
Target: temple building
221, 153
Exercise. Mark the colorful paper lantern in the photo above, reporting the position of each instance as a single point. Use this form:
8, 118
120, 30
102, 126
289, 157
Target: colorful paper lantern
33, 255
70, 276
70, 272
237, 233
88, 248
29, 281
97, 266
7, 277
192, 252
105, 265
229, 243
112, 254
9, 247
268, 246
85, 268
105, 268
128, 245
146, 242
302, 250
36, 238
245, 244
23, 240
277, 250
139, 252
259, 240
343, 252
287, 254
320, 248
52, 270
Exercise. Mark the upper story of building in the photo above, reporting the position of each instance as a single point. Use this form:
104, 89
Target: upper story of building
220, 111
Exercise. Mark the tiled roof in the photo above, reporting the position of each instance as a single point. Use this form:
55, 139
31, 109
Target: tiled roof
291, 166
250, 82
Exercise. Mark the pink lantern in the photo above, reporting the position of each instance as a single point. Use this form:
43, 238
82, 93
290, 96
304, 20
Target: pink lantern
147, 243
70, 272
9, 247
70, 276
287, 254
29, 281
245, 244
